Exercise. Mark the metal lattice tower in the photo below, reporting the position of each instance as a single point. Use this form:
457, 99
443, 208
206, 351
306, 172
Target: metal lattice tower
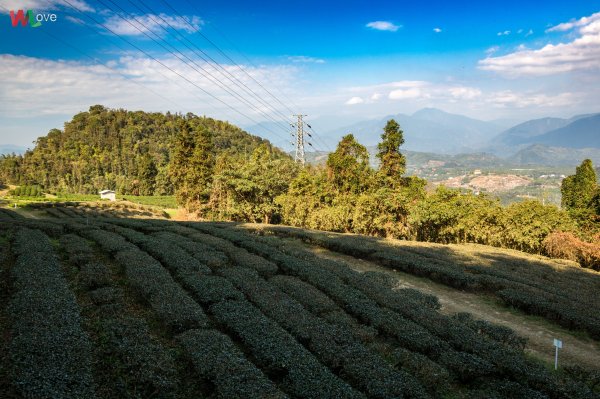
300, 139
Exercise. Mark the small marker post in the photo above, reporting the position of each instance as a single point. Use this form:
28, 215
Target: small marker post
557, 345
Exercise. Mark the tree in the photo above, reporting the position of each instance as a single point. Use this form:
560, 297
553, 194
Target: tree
192, 167
348, 167
578, 190
184, 148
393, 163
146, 175
246, 189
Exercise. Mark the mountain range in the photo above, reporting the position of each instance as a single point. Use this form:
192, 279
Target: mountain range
544, 141
435, 131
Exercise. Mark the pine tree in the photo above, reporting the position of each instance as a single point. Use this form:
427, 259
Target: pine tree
147, 174
179, 168
200, 169
393, 163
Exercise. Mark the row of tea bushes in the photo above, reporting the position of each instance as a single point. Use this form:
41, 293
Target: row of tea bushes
49, 351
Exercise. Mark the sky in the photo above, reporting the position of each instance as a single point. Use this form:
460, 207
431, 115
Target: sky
337, 62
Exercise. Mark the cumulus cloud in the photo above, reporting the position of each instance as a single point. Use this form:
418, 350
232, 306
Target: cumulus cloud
354, 101
464, 93
43, 5
437, 30
565, 26
580, 53
511, 99
305, 59
138, 25
504, 33
54, 87
383, 25
405, 94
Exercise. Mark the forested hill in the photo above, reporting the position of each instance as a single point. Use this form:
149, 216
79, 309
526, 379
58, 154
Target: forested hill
128, 151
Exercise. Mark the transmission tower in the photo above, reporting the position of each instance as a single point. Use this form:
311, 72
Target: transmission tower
300, 139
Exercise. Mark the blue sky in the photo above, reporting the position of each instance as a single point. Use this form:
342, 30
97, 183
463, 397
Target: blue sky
336, 61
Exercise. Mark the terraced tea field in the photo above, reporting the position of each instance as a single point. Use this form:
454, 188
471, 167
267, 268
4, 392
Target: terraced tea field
96, 306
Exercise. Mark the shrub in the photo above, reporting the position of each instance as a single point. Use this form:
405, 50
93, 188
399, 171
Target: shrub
498, 333
567, 246
217, 359
279, 354
106, 295
50, 353
155, 286
94, 275
140, 365
334, 346
431, 374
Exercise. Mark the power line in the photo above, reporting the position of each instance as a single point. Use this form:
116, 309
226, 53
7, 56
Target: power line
229, 58
96, 61
211, 77
162, 64
223, 70
202, 54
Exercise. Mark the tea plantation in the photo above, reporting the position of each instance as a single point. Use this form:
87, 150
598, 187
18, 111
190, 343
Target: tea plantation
95, 306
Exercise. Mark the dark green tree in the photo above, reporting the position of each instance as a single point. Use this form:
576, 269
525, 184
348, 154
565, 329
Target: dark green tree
146, 175
348, 167
579, 189
245, 189
201, 167
179, 168
392, 163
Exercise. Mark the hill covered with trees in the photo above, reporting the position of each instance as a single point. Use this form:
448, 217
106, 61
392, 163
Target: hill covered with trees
219, 172
127, 151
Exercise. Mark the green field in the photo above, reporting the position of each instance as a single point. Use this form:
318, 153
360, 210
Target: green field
97, 306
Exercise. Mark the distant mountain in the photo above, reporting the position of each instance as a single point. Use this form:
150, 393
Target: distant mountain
582, 133
524, 132
428, 130
538, 154
11, 148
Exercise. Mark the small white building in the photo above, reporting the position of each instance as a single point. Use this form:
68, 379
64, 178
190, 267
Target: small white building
108, 194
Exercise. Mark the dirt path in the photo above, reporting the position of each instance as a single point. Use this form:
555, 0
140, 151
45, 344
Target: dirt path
577, 349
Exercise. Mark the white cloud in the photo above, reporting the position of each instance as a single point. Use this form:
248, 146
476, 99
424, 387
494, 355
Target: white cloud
383, 25
464, 93
529, 33
511, 99
46, 87
75, 20
305, 59
492, 50
375, 97
504, 33
580, 53
405, 94
44, 5
138, 25
354, 101
437, 30
565, 26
